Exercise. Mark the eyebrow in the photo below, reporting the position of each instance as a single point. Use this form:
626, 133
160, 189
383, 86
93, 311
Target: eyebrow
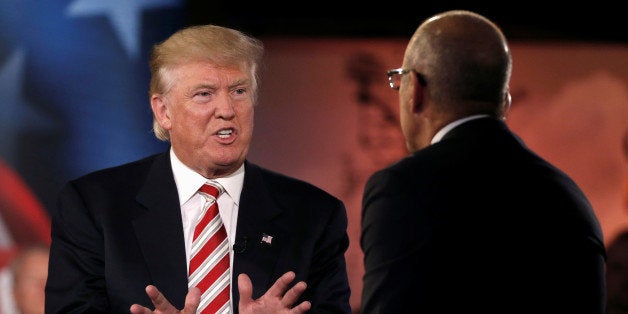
244, 81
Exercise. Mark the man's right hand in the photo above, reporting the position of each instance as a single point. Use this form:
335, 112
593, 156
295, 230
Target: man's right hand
163, 306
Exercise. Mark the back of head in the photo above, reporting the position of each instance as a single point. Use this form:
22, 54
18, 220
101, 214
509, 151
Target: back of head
465, 60
218, 45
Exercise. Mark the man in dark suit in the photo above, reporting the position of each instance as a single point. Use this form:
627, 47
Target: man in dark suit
121, 237
473, 221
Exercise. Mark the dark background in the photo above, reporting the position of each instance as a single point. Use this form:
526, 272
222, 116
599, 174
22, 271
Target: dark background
589, 21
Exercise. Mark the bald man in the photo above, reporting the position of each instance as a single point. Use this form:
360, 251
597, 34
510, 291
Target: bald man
473, 221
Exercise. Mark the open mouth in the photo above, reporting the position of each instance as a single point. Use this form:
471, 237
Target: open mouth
225, 133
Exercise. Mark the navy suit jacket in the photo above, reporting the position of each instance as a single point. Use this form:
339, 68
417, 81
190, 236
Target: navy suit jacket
117, 230
478, 223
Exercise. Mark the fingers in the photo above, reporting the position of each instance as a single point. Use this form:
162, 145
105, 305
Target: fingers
277, 299
245, 286
138, 309
192, 300
281, 285
162, 305
293, 294
159, 300
152, 292
303, 307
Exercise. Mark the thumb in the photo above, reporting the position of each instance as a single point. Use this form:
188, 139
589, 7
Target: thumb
245, 287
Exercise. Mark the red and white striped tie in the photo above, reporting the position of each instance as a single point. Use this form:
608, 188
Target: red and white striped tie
209, 265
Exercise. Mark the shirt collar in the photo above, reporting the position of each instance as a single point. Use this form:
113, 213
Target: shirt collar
188, 181
441, 133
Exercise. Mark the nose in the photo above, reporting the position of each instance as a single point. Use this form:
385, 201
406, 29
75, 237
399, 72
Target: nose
224, 107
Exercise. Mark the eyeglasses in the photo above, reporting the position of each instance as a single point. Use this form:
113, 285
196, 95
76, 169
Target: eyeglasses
394, 77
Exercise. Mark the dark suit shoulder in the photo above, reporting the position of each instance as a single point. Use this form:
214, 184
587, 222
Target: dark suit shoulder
300, 202
123, 180
123, 172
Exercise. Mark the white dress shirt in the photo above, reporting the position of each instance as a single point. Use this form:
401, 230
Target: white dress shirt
188, 183
439, 135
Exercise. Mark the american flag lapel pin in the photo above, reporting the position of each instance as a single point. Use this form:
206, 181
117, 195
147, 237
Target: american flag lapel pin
267, 239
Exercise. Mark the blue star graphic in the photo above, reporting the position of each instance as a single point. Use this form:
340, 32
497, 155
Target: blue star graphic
16, 113
124, 16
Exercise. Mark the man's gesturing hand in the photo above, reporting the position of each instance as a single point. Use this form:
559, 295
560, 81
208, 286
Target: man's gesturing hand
163, 306
276, 300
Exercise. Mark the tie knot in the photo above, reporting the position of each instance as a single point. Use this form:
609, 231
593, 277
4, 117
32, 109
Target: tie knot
212, 189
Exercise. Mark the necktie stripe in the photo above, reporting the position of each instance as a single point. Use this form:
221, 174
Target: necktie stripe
210, 217
218, 304
209, 262
209, 236
211, 189
201, 266
216, 277
217, 241
210, 230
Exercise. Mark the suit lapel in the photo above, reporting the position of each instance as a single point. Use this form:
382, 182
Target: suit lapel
158, 227
258, 238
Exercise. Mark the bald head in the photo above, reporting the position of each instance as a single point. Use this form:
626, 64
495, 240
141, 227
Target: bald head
465, 61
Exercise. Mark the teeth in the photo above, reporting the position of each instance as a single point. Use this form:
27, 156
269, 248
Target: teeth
224, 133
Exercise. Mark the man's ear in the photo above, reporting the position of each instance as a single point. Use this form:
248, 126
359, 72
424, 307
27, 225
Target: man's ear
160, 110
418, 89
507, 104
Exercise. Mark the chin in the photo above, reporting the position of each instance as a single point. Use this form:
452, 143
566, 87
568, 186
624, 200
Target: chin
231, 162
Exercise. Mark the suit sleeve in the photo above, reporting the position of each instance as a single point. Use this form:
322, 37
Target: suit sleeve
75, 281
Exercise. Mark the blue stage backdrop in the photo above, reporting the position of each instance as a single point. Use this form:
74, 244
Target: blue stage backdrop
74, 85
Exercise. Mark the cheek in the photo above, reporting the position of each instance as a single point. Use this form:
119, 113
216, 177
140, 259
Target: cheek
186, 117
246, 118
